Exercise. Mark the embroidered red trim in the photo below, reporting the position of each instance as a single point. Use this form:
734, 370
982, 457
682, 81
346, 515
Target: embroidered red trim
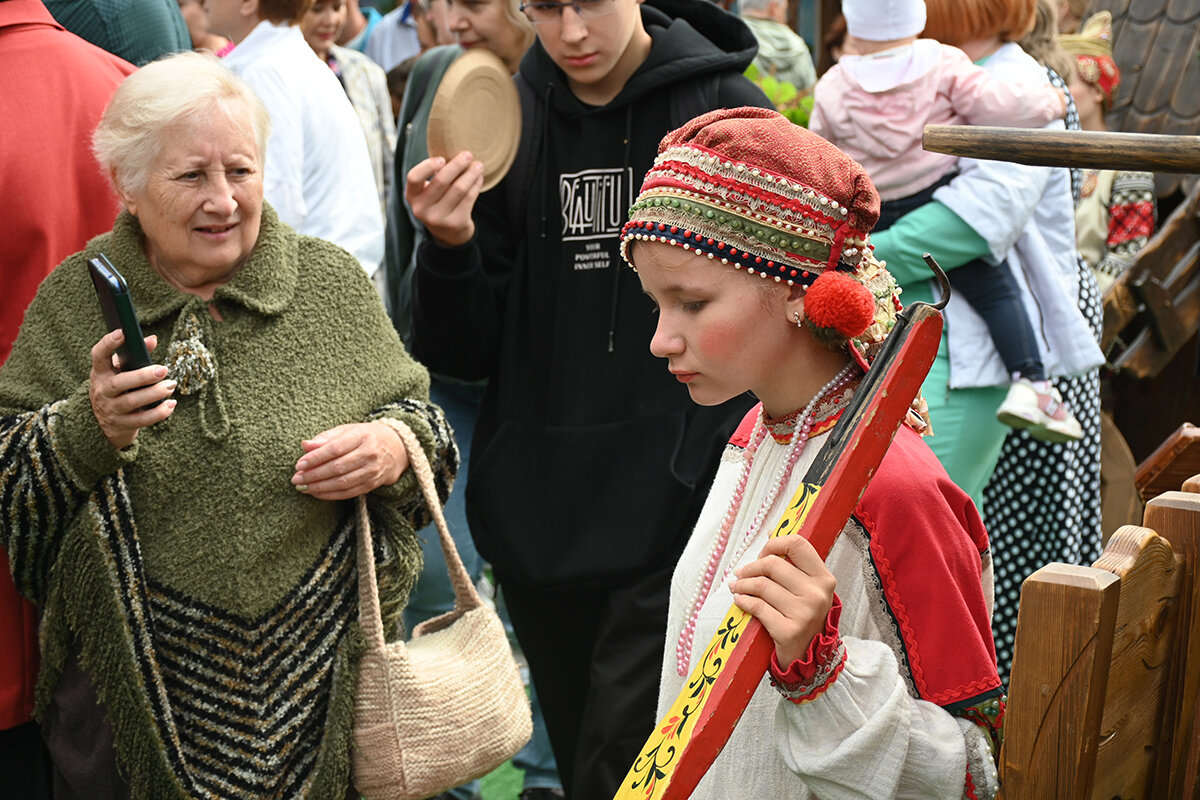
969, 787
809, 677
807, 695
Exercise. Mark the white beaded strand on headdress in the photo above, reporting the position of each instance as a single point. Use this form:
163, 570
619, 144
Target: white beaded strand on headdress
804, 425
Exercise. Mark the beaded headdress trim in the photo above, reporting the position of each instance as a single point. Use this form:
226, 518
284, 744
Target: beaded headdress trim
763, 222
721, 233
743, 215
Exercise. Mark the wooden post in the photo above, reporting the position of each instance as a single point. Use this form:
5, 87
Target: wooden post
1140, 673
1176, 517
1059, 675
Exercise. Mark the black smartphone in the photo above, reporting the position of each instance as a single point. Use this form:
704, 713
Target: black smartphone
118, 311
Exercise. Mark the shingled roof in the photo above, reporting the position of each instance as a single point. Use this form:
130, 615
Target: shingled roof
1156, 44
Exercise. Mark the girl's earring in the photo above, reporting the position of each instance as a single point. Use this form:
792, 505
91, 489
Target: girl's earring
799, 319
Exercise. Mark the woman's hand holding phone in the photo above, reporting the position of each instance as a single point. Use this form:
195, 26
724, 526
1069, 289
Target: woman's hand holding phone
121, 400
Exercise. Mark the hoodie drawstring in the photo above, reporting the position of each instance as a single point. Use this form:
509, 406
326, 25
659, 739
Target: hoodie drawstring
545, 149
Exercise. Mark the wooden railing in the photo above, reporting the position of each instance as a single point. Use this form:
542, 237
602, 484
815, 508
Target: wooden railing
1105, 686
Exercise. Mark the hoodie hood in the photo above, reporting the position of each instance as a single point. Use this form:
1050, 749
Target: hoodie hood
691, 37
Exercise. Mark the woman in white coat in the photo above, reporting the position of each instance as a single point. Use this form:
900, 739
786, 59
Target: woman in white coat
1045, 497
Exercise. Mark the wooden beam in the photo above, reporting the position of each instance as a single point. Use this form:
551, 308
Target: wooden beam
1050, 148
1171, 463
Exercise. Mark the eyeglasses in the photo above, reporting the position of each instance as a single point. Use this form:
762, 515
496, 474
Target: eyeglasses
541, 13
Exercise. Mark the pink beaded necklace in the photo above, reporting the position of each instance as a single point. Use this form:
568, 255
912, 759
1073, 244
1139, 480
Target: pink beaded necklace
805, 422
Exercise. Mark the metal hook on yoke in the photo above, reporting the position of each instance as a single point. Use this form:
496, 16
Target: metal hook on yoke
943, 281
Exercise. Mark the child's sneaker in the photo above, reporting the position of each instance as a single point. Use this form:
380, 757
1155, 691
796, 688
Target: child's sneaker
1040, 411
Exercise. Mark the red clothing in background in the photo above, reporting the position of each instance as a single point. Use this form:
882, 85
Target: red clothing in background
53, 88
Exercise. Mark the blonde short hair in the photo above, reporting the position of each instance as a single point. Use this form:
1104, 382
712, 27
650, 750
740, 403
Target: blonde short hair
514, 14
127, 141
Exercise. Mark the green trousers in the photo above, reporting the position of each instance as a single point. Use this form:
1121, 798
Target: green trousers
967, 436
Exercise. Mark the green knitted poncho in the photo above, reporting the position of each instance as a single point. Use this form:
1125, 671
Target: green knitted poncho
214, 606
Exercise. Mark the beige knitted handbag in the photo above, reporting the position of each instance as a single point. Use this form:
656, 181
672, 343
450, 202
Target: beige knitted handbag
446, 707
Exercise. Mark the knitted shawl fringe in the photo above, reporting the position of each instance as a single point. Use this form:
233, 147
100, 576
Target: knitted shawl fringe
85, 595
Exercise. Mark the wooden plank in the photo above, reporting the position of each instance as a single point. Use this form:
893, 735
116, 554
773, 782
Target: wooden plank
1173, 462
1145, 356
1192, 484
1174, 237
1139, 675
1056, 693
1176, 517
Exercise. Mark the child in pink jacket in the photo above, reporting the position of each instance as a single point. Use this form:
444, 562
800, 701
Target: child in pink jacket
874, 104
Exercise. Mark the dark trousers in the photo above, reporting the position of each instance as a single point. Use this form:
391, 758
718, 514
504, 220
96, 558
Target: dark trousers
595, 657
990, 289
80, 739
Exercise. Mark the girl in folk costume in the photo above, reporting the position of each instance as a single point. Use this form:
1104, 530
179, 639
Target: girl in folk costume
751, 236
1116, 214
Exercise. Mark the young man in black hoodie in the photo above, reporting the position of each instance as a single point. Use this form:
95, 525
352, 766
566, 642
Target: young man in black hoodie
589, 462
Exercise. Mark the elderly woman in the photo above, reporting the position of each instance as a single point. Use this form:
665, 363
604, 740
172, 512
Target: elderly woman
192, 560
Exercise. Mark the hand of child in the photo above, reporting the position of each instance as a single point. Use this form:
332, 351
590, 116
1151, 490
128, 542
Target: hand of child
790, 591
442, 195
1062, 99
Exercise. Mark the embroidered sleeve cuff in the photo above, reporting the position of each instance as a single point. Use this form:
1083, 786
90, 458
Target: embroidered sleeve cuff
806, 678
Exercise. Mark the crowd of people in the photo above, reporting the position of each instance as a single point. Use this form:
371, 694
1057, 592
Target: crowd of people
621, 361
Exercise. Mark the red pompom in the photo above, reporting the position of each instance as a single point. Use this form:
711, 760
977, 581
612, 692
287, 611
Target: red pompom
837, 302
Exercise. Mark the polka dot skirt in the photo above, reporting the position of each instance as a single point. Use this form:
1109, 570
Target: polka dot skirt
1043, 501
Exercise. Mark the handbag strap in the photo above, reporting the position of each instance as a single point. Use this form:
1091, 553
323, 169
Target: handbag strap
465, 597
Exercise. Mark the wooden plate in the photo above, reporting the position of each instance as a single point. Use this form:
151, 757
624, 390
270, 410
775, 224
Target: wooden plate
476, 108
